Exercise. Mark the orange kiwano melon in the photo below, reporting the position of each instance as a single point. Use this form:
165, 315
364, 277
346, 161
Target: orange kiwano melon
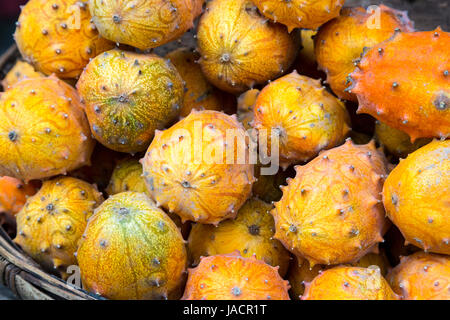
232, 277
305, 14
196, 171
51, 223
129, 95
127, 176
20, 71
303, 115
331, 212
199, 94
408, 92
349, 283
58, 37
422, 276
416, 197
239, 48
132, 250
340, 43
44, 131
144, 24
251, 233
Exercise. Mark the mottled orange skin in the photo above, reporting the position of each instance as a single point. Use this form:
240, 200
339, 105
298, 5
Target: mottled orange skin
52, 222
239, 48
331, 212
199, 94
422, 276
307, 118
187, 171
132, 250
232, 277
340, 43
306, 14
58, 37
413, 98
124, 111
144, 24
127, 176
20, 71
349, 283
44, 131
415, 196
397, 142
251, 233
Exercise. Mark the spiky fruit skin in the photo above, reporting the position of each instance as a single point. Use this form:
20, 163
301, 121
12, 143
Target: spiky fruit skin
13, 195
422, 276
20, 71
331, 212
239, 48
267, 187
44, 131
58, 37
306, 117
187, 172
349, 283
127, 176
251, 233
300, 273
414, 98
130, 224
397, 142
305, 14
52, 222
341, 42
232, 277
199, 94
125, 111
245, 104
144, 24
415, 196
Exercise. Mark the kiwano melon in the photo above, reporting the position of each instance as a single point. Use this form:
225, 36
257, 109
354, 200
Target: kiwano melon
240, 48
305, 14
340, 43
305, 117
127, 176
198, 93
52, 222
251, 233
44, 131
416, 197
20, 71
331, 212
144, 24
196, 171
58, 36
349, 283
132, 250
422, 276
232, 277
129, 95
405, 83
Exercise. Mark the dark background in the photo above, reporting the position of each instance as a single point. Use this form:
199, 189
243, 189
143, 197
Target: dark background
427, 15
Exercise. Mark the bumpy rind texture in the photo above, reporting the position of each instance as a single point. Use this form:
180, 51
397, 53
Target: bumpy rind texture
190, 169
251, 233
340, 43
306, 14
349, 283
232, 277
52, 222
415, 196
44, 131
132, 250
422, 276
240, 48
409, 92
127, 176
20, 71
144, 24
331, 212
305, 117
58, 37
128, 96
